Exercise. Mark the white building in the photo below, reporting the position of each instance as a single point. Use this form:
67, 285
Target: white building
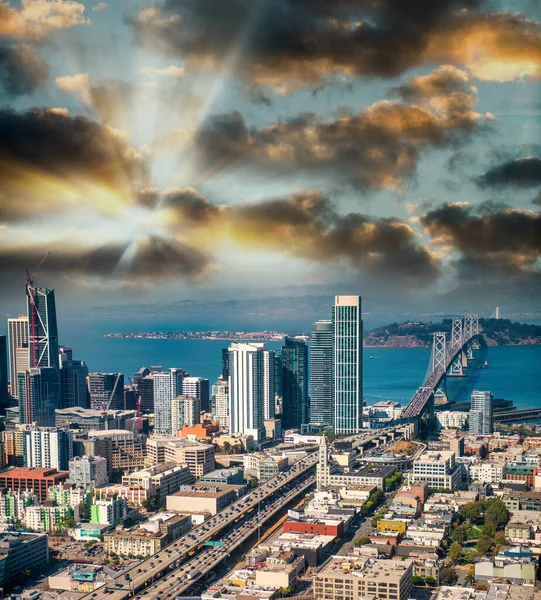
249, 385
452, 418
167, 385
481, 418
488, 472
48, 518
48, 447
19, 358
185, 410
220, 396
13, 504
88, 471
197, 387
438, 470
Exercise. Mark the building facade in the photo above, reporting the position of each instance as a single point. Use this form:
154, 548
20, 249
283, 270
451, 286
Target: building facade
88, 471
39, 392
481, 413
347, 364
321, 383
438, 470
74, 389
220, 402
185, 410
167, 385
197, 387
106, 389
295, 401
4, 396
48, 447
17, 340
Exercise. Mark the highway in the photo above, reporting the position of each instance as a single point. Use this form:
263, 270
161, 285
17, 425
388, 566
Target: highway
175, 553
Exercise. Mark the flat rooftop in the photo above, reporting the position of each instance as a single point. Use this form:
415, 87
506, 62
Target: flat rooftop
200, 493
373, 470
362, 566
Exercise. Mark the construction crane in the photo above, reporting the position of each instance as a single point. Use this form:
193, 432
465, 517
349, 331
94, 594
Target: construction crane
33, 325
105, 407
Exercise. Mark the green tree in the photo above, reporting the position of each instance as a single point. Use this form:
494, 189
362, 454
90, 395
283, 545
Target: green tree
499, 540
470, 556
496, 513
470, 578
455, 552
473, 511
361, 541
448, 576
484, 544
460, 534
429, 580
286, 592
252, 482
417, 580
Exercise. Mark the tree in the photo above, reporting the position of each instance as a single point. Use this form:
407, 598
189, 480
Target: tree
361, 541
286, 592
484, 544
460, 534
499, 540
473, 511
455, 552
429, 580
252, 482
417, 580
448, 576
470, 556
496, 513
470, 578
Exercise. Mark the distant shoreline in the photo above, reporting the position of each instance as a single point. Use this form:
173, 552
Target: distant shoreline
212, 336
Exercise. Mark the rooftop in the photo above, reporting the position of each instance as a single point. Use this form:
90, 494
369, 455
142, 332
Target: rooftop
373, 470
214, 493
362, 566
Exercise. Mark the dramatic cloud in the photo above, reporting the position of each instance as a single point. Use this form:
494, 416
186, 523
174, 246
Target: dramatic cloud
290, 44
306, 225
50, 160
490, 243
172, 71
99, 6
378, 147
22, 71
520, 173
37, 18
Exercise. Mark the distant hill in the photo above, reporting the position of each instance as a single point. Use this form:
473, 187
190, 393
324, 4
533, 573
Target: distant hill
496, 332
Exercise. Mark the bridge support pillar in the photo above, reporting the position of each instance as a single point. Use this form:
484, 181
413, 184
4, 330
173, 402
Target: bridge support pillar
464, 360
455, 368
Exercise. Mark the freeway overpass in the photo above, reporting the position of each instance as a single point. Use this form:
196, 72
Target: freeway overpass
514, 416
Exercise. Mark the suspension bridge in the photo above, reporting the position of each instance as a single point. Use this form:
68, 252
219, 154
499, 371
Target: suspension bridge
449, 358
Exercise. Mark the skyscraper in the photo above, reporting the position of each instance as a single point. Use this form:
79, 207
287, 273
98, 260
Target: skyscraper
321, 384
197, 387
48, 447
347, 363
481, 413
251, 385
101, 387
144, 383
73, 378
167, 385
225, 363
220, 402
4, 397
38, 395
294, 383
185, 410
18, 350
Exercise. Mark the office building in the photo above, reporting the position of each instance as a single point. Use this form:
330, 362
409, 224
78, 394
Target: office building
481, 413
65, 353
451, 418
220, 402
321, 392
38, 391
87, 419
18, 350
32, 479
20, 552
143, 381
225, 364
73, 382
48, 448
198, 457
347, 364
106, 390
197, 387
4, 396
88, 471
438, 470
162, 480
185, 410
167, 385
251, 388
358, 577
294, 357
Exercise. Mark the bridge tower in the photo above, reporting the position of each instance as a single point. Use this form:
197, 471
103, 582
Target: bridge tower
439, 364
475, 332
468, 333
457, 340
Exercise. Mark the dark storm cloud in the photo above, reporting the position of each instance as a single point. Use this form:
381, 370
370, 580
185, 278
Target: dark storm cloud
463, 159
22, 71
289, 44
489, 243
378, 147
307, 225
45, 152
521, 173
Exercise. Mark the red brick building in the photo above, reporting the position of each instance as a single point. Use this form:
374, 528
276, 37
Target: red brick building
319, 527
32, 479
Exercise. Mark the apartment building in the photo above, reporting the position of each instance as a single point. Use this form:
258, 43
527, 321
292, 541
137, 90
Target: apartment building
167, 448
162, 480
438, 470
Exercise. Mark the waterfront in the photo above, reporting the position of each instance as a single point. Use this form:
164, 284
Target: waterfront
393, 373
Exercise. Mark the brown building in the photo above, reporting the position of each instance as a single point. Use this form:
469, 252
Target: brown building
32, 479
318, 526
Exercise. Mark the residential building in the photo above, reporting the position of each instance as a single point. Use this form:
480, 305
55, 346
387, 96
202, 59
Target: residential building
197, 387
516, 501
150, 537
451, 418
21, 551
163, 480
17, 340
144, 383
167, 385
48, 447
38, 391
438, 469
295, 402
13, 505
516, 565
481, 413
48, 518
321, 394
4, 396
347, 364
90, 419
36, 480
185, 410
88, 471
209, 500
106, 390
135, 495
359, 577
198, 457
220, 402
263, 465
251, 388
69, 494
521, 471
14, 440
487, 472
73, 383
109, 510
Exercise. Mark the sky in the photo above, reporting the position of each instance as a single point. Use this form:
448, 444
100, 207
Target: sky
213, 149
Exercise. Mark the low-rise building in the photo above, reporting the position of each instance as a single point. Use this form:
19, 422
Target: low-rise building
88, 471
264, 465
36, 480
135, 495
334, 527
150, 537
487, 472
211, 501
168, 448
21, 551
438, 470
49, 517
516, 566
522, 501
162, 479
233, 476
360, 577
109, 510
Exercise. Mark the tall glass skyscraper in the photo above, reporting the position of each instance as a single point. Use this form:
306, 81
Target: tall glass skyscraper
167, 385
294, 383
347, 363
321, 395
18, 350
38, 394
4, 398
481, 413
